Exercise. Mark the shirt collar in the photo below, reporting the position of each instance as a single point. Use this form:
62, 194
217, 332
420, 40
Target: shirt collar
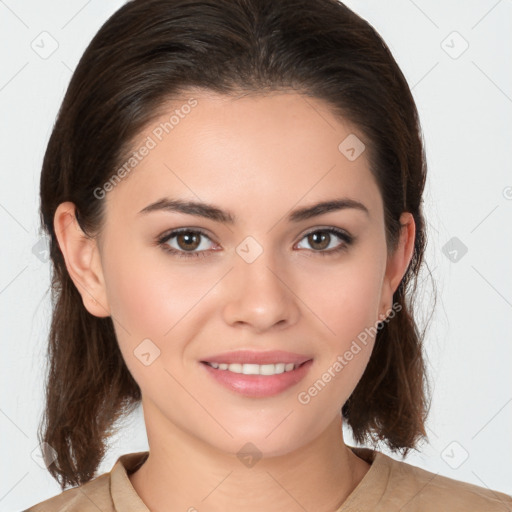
124, 496
371, 488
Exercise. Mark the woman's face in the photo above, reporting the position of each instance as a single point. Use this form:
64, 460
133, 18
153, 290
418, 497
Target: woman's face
271, 279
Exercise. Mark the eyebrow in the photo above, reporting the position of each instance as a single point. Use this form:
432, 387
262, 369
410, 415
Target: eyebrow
216, 214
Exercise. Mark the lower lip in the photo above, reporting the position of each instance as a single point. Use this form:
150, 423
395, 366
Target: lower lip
258, 385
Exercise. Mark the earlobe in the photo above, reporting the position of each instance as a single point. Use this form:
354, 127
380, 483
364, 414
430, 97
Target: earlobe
399, 261
82, 260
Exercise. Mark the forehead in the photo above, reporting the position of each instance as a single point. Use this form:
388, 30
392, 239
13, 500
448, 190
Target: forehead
256, 152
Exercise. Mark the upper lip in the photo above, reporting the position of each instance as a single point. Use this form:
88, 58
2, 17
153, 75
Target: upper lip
253, 357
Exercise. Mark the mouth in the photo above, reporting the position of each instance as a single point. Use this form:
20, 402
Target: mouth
258, 380
256, 369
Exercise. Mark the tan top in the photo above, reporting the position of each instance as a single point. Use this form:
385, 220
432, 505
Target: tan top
388, 486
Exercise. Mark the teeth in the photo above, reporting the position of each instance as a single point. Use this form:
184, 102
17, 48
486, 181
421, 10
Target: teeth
255, 369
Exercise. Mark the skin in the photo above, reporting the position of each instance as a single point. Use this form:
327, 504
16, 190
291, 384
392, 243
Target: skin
260, 158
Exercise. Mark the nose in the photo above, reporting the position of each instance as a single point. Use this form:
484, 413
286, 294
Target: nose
260, 295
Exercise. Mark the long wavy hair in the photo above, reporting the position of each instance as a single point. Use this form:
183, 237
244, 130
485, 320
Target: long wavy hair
150, 52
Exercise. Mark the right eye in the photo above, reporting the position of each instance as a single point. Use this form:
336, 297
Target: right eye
186, 242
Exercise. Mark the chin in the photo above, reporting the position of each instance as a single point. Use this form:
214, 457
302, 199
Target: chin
264, 442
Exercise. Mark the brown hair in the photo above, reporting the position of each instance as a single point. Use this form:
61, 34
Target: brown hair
153, 51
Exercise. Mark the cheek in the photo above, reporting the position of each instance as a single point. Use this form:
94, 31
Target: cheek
143, 295
346, 297
138, 300
149, 300
152, 297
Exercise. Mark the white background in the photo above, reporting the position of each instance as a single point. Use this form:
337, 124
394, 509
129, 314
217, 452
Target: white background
465, 105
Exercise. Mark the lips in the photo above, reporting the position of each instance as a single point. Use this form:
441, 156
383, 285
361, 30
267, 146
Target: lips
258, 386
254, 357
275, 372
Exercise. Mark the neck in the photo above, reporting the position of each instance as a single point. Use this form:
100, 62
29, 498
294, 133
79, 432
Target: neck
185, 474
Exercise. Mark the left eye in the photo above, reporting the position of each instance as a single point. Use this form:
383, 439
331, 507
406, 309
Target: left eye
321, 236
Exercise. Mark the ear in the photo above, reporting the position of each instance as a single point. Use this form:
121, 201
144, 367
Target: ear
82, 258
398, 262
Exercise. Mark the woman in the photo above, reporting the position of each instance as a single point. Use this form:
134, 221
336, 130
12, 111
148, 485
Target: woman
233, 191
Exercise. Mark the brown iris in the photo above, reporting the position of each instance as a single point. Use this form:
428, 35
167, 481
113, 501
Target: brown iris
190, 240
319, 237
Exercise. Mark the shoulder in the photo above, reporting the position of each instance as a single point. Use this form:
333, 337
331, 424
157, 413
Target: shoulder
421, 490
89, 497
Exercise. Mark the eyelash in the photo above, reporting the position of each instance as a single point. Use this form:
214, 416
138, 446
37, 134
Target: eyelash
162, 241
